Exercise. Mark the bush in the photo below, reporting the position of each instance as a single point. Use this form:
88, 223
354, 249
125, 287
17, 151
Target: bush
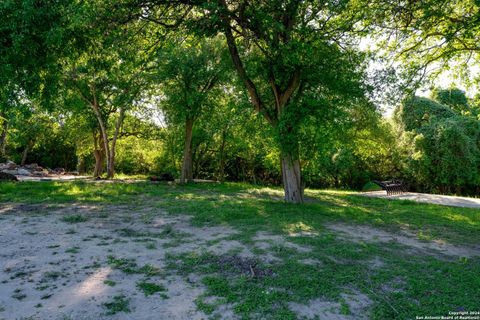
371, 186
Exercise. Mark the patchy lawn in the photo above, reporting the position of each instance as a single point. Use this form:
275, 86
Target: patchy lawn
85, 250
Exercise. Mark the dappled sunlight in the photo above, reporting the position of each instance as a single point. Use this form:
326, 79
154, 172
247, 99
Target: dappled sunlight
330, 240
257, 196
462, 218
239, 197
191, 196
334, 200
233, 202
322, 192
262, 213
266, 191
299, 229
72, 189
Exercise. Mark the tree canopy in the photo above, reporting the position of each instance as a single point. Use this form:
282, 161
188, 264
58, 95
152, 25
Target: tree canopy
272, 91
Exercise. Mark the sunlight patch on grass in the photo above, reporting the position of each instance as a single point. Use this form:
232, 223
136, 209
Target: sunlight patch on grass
189, 196
293, 229
331, 192
462, 218
266, 192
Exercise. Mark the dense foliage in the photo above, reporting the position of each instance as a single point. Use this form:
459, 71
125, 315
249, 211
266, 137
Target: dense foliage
267, 92
441, 142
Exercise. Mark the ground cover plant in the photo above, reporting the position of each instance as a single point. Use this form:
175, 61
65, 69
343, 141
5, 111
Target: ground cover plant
233, 250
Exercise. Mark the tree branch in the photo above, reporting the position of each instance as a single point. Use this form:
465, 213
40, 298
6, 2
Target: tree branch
237, 62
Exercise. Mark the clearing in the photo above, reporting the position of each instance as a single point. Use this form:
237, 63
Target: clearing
87, 250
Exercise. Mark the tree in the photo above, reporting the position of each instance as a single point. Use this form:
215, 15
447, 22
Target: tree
108, 75
454, 98
7, 109
427, 36
188, 73
29, 126
442, 144
32, 35
416, 112
291, 57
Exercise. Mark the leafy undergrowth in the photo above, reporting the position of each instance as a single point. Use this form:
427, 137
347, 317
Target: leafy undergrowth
405, 284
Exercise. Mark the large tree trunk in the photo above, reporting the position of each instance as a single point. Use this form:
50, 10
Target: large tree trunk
292, 178
99, 160
187, 166
99, 154
103, 132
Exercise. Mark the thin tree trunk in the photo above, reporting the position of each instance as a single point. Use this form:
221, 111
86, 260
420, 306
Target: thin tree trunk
111, 158
172, 145
81, 166
187, 167
25, 153
221, 169
292, 181
3, 138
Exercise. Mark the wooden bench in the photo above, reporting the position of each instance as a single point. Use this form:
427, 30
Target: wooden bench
392, 186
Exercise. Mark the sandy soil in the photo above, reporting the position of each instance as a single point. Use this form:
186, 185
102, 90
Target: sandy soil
369, 234
56, 270
428, 198
52, 269
357, 303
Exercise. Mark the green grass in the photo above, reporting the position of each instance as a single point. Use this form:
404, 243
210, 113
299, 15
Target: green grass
18, 294
151, 246
371, 186
150, 288
73, 250
109, 283
248, 205
129, 266
119, 304
76, 218
406, 285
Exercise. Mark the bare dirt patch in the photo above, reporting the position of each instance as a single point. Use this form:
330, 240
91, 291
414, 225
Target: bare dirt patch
355, 306
370, 234
236, 265
81, 261
56, 268
439, 199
